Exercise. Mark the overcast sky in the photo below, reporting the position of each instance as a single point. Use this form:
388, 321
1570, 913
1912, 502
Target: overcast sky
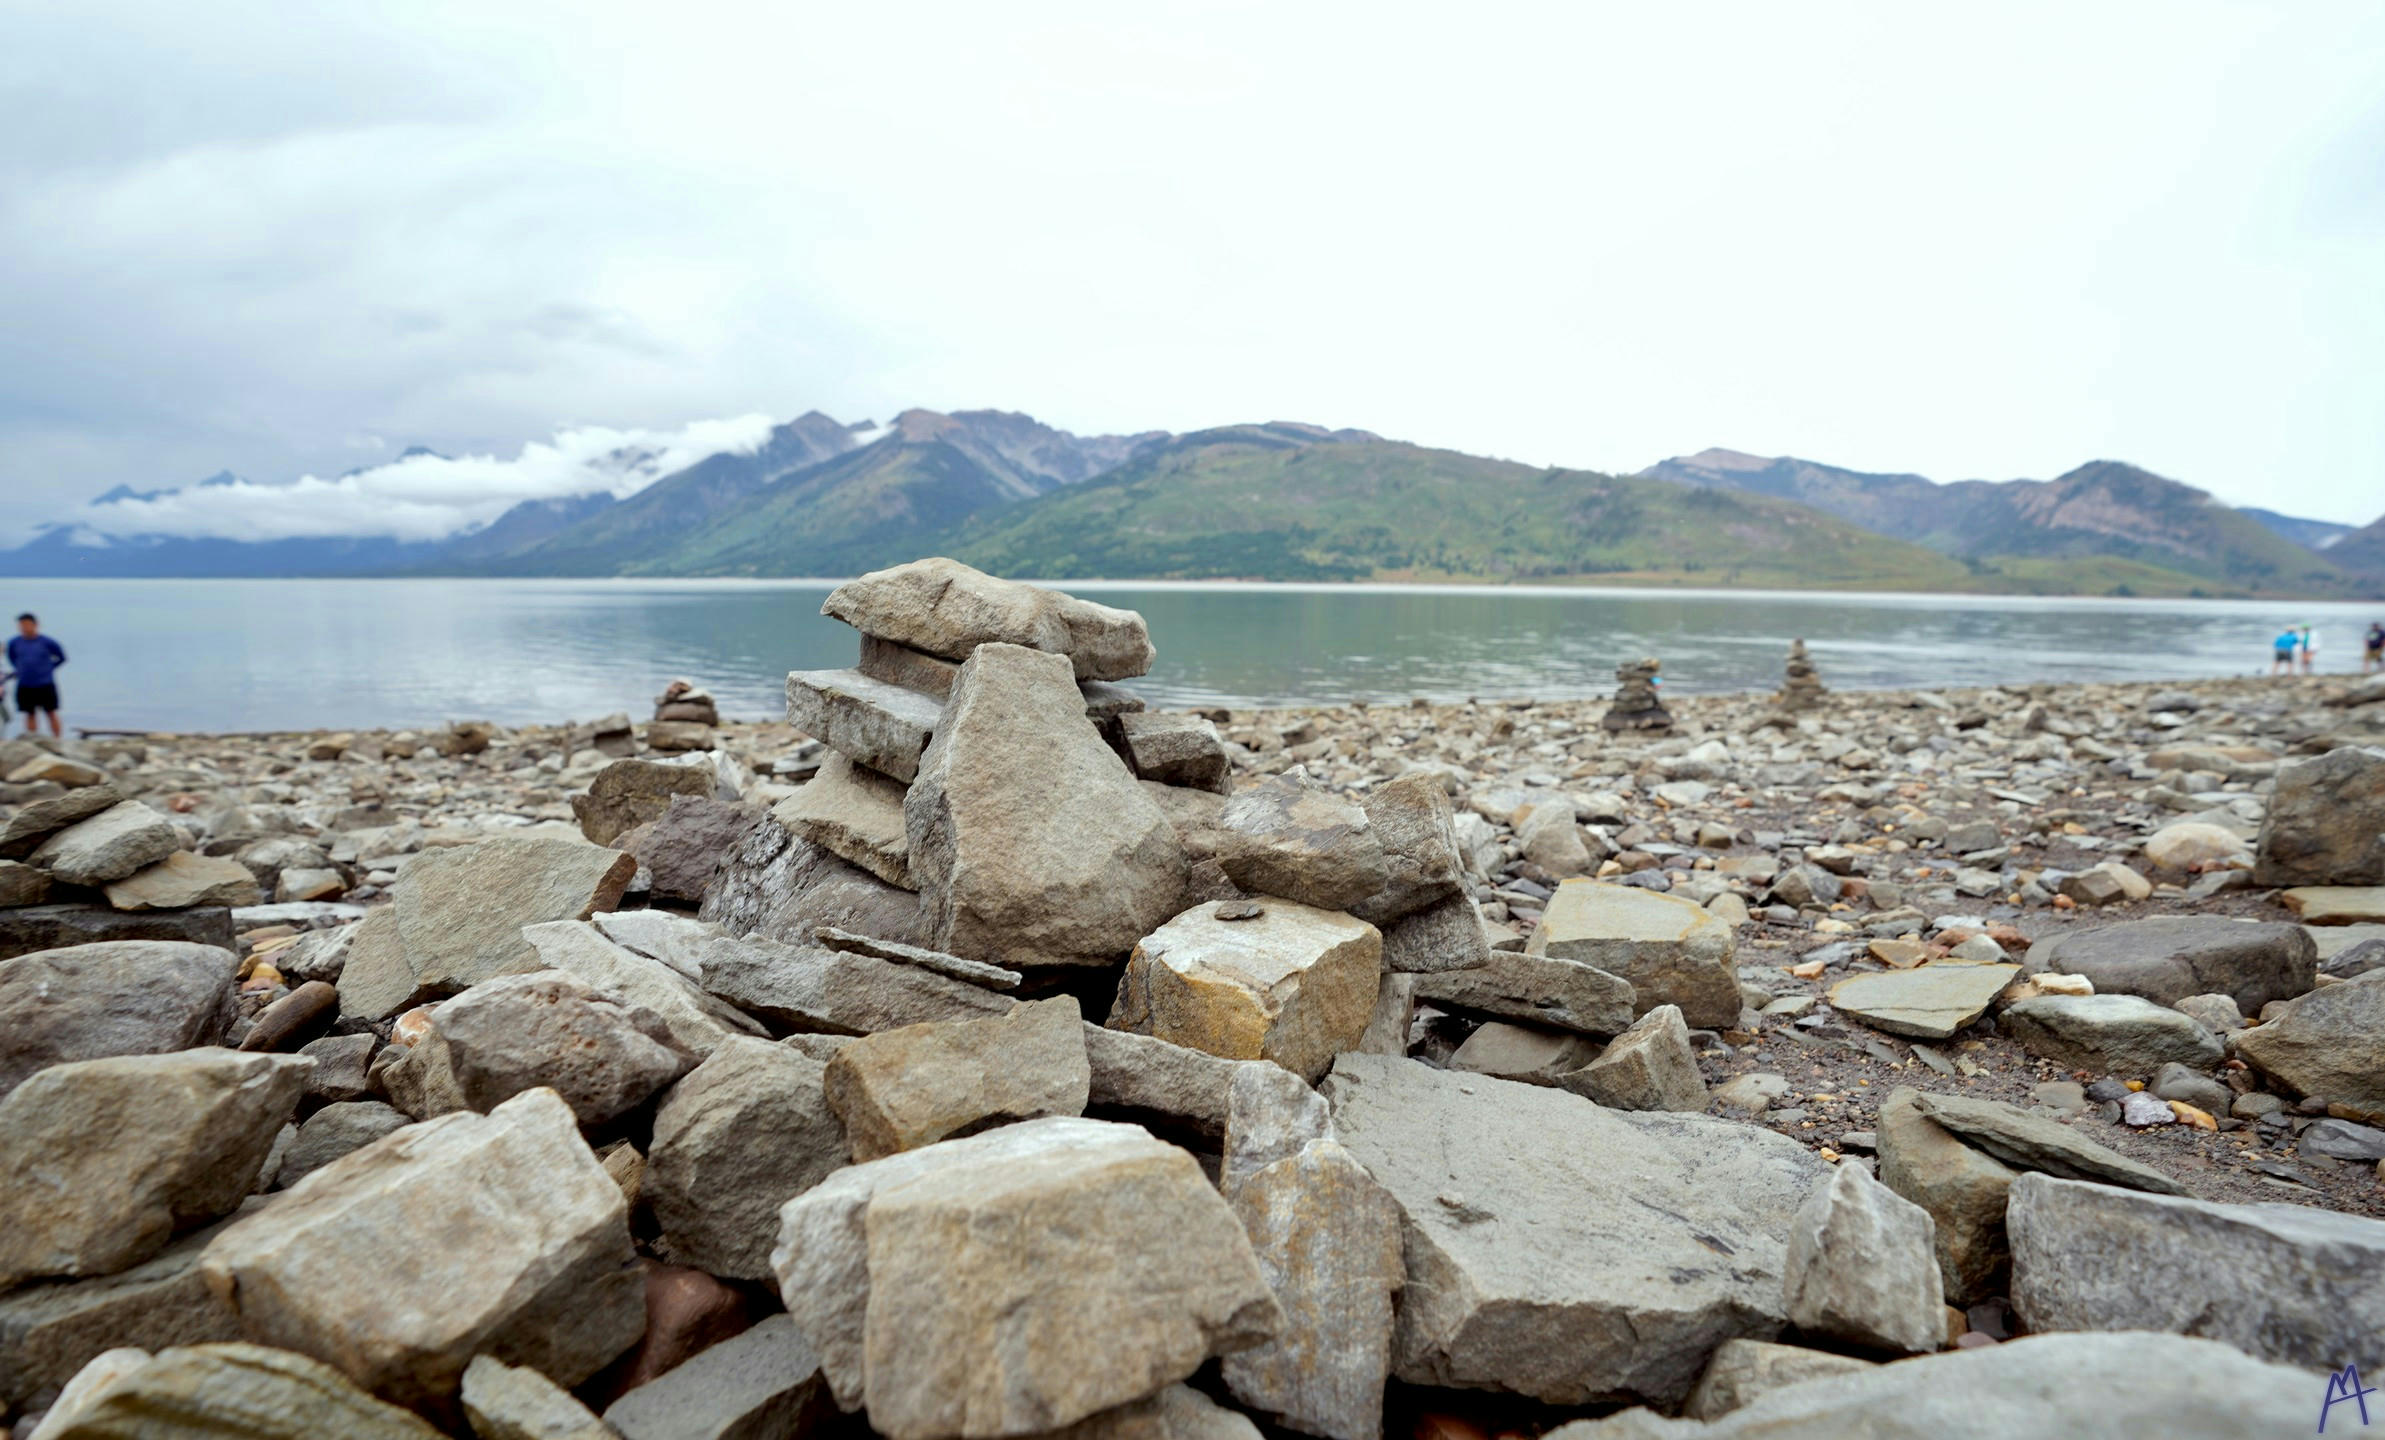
1964, 241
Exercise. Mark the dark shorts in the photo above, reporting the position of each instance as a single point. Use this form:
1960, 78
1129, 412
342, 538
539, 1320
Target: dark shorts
37, 697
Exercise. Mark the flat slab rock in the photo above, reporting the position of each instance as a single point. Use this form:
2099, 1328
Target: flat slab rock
1562, 1251
1930, 1002
1671, 951
2169, 957
2028, 1141
948, 609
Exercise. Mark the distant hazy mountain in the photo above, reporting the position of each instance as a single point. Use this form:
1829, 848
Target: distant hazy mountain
2362, 551
2310, 534
2104, 509
61, 551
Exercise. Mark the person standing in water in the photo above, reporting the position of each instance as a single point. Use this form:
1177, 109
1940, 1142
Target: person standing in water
2309, 650
2372, 648
33, 660
2281, 660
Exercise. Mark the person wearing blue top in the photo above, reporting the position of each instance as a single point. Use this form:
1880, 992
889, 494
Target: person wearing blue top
2289, 644
33, 661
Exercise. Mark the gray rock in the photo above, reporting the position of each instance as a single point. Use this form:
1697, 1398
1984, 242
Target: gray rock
1177, 1412
460, 911
342, 1063
882, 726
2110, 1034
2325, 824
337, 1130
511, 1402
744, 1133
1744, 1371
29, 928
901, 1089
680, 851
899, 664
1863, 1267
1327, 1239
854, 813
108, 1159
21, 884
229, 1389
1524, 1052
128, 997
1444, 935
2342, 1140
2280, 1282
1153, 1081
779, 887
50, 1331
2174, 1081
629, 793
1648, 1067
1963, 1189
24, 830
1271, 1115
2330, 1043
2215, 1013
661, 935
2169, 957
184, 879
691, 1020
1286, 837
2034, 1142
1671, 951
756, 1385
1539, 990
809, 987
1293, 984
906, 1274
108, 846
1031, 844
948, 609
1412, 820
1928, 1003
1181, 750
521, 1032
2162, 1385
513, 1240
1606, 1267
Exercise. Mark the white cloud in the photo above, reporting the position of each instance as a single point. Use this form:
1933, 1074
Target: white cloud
427, 497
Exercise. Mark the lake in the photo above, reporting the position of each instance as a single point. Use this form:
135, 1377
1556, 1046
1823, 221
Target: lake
308, 654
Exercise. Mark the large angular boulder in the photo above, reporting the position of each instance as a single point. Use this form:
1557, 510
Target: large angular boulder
117, 841
227, 1389
1538, 990
2162, 1385
512, 1239
183, 879
1863, 1268
744, 1133
1327, 1237
1031, 844
1671, 951
2289, 1283
882, 726
108, 1159
630, 793
1017, 1281
2325, 824
901, 1089
127, 997
2330, 1043
1284, 836
1291, 984
2169, 957
521, 1032
1963, 1188
1412, 820
460, 911
691, 1020
948, 609
2109, 1034
1603, 1266
855, 814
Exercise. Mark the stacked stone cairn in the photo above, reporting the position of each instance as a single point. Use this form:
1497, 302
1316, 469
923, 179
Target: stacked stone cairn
1801, 688
1018, 1075
1636, 706
684, 718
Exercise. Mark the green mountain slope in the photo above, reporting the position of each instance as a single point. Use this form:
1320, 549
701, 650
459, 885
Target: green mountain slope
1279, 502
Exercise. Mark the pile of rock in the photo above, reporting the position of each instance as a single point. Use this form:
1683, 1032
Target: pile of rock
1636, 706
1047, 1065
684, 718
88, 862
1801, 687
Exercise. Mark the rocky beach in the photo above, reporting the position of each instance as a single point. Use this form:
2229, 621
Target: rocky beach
980, 1053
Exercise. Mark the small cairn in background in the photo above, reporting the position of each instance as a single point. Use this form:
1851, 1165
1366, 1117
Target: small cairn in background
1801, 689
1635, 706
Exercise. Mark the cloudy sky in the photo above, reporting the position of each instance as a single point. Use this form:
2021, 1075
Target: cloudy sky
1964, 242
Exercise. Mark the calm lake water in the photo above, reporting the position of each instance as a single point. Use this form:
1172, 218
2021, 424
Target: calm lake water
303, 654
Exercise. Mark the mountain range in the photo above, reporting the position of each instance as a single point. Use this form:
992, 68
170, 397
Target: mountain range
1288, 501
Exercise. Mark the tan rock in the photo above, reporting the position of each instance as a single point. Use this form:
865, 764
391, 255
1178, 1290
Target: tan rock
1294, 985
901, 1089
948, 609
1671, 951
183, 879
854, 813
1929, 1003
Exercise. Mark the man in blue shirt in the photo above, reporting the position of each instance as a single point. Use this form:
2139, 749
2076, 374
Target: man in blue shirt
34, 659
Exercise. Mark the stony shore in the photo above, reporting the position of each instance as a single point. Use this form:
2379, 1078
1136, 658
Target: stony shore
1434, 1069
